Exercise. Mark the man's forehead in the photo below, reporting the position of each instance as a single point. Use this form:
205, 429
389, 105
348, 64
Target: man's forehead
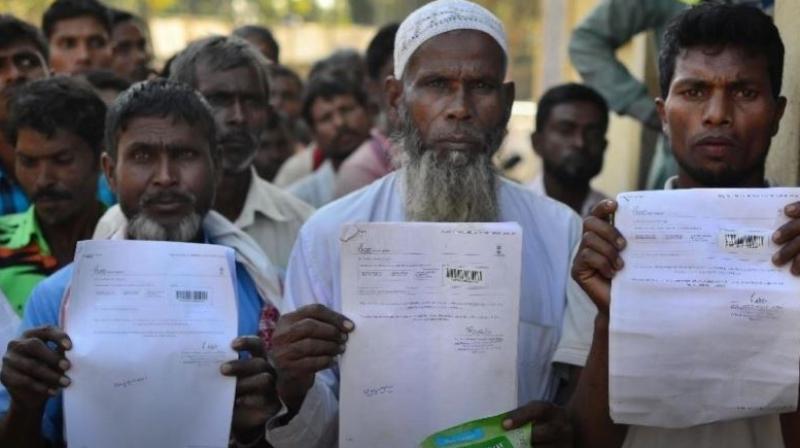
161, 131
78, 26
19, 46
462, 47
720, 63
235, 79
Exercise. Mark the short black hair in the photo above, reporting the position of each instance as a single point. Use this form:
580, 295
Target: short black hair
160, 98
381, 50
722, 25
14, 30
106, 79
68, 9
326, 86
47, 105
568, 93
282, 71
261, 33
219, 53
120, 16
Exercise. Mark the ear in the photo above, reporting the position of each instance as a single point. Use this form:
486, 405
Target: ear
108, 165
393, 93
781, 108
509, 92
536, 142
662, 114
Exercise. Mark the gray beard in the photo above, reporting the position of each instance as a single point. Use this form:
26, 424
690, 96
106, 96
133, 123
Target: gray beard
452, 187
143, 228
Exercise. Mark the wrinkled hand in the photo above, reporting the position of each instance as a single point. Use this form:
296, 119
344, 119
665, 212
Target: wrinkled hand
551, 424
598, 259
256, 399
788, 236
305, 342
32, 371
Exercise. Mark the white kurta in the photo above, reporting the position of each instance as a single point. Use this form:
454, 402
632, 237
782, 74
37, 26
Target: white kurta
550, 233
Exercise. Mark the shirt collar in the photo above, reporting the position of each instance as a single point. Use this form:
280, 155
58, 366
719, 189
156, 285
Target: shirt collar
672, 183
28, 230
259, 200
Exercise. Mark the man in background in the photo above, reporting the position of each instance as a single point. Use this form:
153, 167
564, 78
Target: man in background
79, 35
570, 138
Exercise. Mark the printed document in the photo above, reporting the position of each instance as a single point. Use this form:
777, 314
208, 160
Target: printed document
151, 323
704, 327
436, 309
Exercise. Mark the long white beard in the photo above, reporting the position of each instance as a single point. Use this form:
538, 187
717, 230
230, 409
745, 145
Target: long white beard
452, 187
143, 228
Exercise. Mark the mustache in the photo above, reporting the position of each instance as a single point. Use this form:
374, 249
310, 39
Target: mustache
52, 193
237, 138
167, 197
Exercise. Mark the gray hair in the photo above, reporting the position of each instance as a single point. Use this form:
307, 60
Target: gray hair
218, 53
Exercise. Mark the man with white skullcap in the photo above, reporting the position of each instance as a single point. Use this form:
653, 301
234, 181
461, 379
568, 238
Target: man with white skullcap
451, 105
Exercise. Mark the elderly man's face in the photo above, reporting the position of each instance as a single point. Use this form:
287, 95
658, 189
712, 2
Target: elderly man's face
240, 105
79, 44
451, 108
163, 177
454, 93
720, 115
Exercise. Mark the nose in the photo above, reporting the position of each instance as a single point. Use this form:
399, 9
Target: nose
165, 172
717, 110
459, 107
82, 52
44, 176
235, 114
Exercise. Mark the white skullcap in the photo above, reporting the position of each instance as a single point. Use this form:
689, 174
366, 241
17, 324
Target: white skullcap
439, 17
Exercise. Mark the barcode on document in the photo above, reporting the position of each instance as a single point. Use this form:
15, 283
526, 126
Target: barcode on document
185, 295
464, 275
739, 241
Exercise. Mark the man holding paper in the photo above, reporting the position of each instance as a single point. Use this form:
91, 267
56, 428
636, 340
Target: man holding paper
452, 103
162, 162
720, 106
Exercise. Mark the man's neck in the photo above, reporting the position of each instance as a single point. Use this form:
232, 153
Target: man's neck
231, 194
63, 237
572, 195
754, 180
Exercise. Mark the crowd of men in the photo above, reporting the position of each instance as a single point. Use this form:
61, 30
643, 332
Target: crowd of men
226, 146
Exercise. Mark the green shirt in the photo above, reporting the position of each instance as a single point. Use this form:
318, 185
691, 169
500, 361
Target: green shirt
25, 257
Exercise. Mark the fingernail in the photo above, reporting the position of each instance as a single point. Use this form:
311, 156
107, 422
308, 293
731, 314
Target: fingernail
64, 381
791, 209
776, 258
776, 236
507, 423
348, 325
609, 204
620, 243
52, 392
226, 369
620, 263
66, 343
343, 337
64, 364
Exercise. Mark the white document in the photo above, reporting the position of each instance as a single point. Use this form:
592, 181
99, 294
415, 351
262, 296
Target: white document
151, 323
436, 309
704, 327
